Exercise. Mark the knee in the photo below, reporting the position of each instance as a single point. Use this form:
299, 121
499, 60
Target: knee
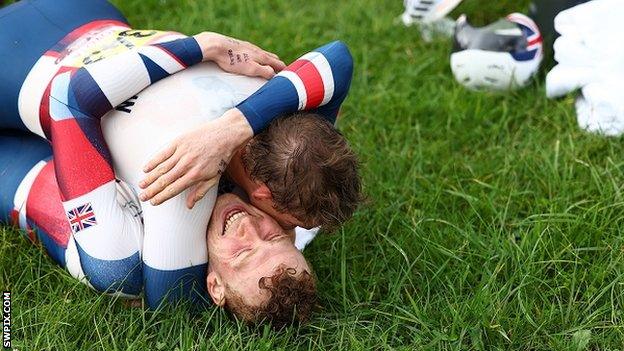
120, 277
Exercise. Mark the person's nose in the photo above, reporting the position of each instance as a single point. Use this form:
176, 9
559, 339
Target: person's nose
248, 228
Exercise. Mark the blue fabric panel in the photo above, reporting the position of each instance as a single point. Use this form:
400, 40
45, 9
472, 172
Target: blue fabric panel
186, 50
123, 275
92, 130
28, 29
156, 73
87, 95
187, 284
19, 153
56, 251
276, 98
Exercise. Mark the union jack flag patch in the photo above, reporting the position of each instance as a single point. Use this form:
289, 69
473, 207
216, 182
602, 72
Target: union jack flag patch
81, 217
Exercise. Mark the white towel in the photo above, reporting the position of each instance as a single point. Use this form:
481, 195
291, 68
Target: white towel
590, 56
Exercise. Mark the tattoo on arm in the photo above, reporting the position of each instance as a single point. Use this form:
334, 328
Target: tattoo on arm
231, 55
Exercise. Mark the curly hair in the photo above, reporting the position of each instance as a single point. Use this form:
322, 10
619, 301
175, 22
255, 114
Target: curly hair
292, 298
309, 167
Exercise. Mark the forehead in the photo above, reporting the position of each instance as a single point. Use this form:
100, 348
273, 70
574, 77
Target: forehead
245, 280
267, 256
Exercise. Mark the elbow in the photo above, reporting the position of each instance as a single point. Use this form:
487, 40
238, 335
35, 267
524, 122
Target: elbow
342, 65
340, 58
342, 52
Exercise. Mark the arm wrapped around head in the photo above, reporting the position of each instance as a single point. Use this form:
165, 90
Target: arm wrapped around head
317, 81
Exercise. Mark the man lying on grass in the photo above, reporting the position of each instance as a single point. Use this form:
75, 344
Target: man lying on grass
85, 211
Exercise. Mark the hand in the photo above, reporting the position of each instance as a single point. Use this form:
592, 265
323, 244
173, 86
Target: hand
196, 159
237, 56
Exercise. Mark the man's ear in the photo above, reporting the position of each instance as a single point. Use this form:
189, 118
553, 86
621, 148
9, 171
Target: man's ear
216, 288
262, 192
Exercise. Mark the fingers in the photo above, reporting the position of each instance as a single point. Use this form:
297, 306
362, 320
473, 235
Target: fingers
200, 191
160, 158
274, 62
255, 59
173, 189
264, 57
265, 72
277, 64
162, 182
159, 171
253, 69
265, 67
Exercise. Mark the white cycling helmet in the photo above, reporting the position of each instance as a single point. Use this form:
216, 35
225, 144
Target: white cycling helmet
426, 11
501, 56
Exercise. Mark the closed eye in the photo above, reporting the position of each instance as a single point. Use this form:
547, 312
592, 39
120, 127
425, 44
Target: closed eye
241, 252
275, 236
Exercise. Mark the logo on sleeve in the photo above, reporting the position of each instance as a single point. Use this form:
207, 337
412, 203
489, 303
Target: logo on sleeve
81, 217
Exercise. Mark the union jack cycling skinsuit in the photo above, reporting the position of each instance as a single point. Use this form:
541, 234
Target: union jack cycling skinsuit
61, 95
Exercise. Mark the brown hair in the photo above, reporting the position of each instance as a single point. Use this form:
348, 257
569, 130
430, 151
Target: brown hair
292, 298
309, 167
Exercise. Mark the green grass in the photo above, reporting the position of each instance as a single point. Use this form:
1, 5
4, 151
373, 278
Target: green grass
493, 222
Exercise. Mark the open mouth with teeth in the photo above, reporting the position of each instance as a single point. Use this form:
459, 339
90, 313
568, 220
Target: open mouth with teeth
231, 217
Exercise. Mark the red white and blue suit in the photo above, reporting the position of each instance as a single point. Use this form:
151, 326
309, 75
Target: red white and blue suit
74, 204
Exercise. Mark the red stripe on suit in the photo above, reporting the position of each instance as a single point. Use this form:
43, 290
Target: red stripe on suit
78, 158
44, 207
312, 81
